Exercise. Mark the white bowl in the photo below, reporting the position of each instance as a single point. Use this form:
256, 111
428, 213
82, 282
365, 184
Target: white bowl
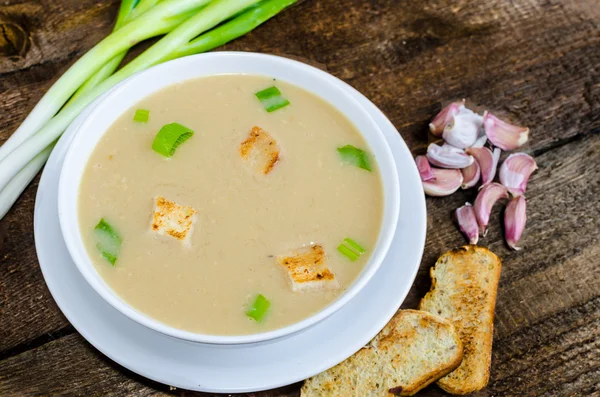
154, 79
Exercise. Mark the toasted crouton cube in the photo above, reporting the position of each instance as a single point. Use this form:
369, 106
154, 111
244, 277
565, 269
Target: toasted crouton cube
260, 151
307, 269
173, 219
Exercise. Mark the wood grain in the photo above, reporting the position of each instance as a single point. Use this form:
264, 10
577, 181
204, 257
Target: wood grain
535, 61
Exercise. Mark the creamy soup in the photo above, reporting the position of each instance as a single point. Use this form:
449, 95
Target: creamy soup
265, 191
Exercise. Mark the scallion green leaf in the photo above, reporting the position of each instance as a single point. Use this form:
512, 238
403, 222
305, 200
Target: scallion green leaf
259, 308
355, 156
141, 115
347, 252
108, 241
272, 99
170, 137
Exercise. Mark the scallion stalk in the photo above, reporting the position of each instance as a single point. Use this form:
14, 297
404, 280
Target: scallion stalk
129, 10
15, 187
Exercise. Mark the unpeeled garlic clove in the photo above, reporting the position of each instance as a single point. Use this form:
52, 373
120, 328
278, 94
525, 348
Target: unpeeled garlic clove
463, 129
445, 183
446, 157
444, 117
467, 222
515, 217
488, 162
502, 134
515, 172
486, 198
424, 168
481, 140
471, 175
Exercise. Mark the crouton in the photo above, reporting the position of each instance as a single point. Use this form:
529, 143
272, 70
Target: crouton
260, 151
173, 219
413, 350
307, 270
464, 283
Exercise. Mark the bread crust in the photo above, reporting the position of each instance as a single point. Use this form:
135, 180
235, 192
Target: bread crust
464, 286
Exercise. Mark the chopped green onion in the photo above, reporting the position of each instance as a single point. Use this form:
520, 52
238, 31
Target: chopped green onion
259, 308
347, 252
271, 99
170, 137
108, 241
354, 245
141, 115
351, 249
355, 156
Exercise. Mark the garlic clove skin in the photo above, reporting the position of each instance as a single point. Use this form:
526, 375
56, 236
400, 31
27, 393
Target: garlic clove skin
480, 141
424, 169
467, 222
515, 172
488, 162
471, 175
445, 183
515, 217
444, 117
486, 198
502, 134
448, 158
463, 129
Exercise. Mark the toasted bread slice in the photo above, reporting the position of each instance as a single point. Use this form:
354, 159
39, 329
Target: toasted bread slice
414, 349
260, 151
173, 219
463, 290
307, 269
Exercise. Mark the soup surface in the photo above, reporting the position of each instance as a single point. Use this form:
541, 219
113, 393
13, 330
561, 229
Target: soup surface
245, 219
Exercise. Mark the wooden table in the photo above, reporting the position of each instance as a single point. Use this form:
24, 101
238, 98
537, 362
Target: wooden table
537, 61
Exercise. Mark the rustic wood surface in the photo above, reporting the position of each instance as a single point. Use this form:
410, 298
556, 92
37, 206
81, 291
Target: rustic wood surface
536, 61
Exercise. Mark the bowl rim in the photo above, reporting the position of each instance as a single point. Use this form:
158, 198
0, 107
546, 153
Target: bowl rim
69, 183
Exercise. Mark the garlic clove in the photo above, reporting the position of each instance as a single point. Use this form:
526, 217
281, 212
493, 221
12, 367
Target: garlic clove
448, 158
502, 134
444, 117
515, 172
480, 141
424, 168
488, 162
486, 198
515, 218
463, 129
467, 222
445, 183
471, 175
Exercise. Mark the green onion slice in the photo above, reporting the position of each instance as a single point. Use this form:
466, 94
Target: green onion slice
170, 137
271, 99
355, 156
354, 245
347, 252
351, 249
259, 308
141, 115
108, 241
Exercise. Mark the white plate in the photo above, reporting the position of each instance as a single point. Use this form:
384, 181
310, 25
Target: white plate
230, 369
